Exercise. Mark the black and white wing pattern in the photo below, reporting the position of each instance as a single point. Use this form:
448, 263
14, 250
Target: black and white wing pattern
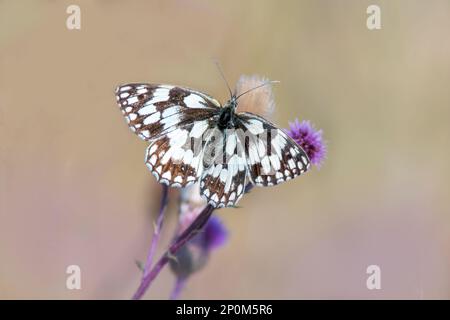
169, 117
192, 138
171, 158
153, 110
272, 156
225, 172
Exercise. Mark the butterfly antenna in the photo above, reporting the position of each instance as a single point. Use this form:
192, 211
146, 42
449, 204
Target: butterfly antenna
223, 77
257, 87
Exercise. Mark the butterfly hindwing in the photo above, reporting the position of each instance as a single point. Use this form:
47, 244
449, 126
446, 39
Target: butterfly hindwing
224, 174
272, 156
175, 158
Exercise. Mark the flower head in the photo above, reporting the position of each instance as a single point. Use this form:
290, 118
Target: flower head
309, 139
213, 236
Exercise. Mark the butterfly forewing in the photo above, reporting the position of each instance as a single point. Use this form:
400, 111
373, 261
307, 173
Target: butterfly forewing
154, 110
169, 117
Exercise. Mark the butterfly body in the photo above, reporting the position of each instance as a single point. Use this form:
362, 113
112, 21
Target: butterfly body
193, 138
226, 118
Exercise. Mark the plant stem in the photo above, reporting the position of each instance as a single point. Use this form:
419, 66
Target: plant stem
181, 240
156, 230
179, 285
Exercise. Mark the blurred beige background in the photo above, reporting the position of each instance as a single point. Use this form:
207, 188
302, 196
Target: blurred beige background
74, 188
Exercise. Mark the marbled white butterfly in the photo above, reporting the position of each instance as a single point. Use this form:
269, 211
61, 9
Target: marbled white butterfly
194, 138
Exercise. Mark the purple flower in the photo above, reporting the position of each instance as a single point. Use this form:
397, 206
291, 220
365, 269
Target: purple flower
309, 139
213, 236
195, 254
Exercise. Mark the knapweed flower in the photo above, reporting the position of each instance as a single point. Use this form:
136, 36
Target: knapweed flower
309, 139
213, 236
194, 255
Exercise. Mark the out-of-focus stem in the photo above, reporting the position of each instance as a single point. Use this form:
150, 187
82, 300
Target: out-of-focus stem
156, 230
179, 285
181, 240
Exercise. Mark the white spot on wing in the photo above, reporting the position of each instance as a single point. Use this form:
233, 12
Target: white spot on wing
217, 170
132, 100
255, 126
124, 88
193, 101
170, 111
178, 137
153, 148
178, 154
291, 163
170, 121
188, 155
304, 159
265, 165
231, 144
142, 91
147, 109
163, 92
152, 118
223, 175
275, 162
178, 179
199, 128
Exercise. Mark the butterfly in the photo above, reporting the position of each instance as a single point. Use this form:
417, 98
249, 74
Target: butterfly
193, 138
